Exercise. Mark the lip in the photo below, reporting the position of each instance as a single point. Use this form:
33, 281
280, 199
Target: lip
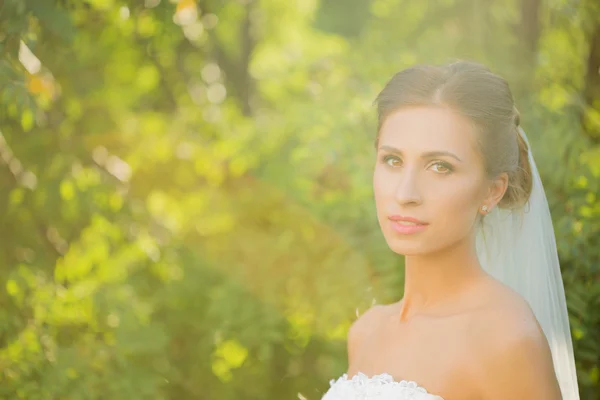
407, 229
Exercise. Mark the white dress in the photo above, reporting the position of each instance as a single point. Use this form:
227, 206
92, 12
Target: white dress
377, 387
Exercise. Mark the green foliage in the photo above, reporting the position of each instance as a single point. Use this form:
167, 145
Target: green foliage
186, 205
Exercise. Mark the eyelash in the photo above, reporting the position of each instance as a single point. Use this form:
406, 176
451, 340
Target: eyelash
444, 164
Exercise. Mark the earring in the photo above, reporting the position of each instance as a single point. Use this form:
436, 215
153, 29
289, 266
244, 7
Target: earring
484, 209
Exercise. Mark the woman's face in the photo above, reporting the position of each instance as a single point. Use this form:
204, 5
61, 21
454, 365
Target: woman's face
429, 169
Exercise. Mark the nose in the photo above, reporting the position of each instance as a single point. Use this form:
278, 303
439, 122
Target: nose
407, 190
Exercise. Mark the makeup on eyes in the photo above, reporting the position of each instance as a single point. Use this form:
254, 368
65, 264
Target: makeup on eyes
449, 168
428, 154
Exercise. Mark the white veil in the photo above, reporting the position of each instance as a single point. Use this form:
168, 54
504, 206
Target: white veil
518, 248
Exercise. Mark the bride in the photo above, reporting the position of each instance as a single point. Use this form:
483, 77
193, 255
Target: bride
457, 192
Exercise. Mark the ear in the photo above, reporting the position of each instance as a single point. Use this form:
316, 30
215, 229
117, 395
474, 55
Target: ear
497, 188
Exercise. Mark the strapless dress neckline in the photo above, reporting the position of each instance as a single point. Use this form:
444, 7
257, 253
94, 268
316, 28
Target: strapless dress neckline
375, 387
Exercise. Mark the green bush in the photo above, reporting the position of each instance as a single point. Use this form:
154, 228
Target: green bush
186, 206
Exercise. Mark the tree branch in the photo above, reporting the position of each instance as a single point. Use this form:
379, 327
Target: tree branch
237, 71
591, 89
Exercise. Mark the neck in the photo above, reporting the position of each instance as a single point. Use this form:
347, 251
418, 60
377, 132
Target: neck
433, 279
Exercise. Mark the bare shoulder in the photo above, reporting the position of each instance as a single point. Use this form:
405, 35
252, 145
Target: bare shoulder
511, 351
504, 316
363, 326
365, 323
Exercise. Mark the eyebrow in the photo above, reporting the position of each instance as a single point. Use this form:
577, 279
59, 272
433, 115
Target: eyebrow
424, 155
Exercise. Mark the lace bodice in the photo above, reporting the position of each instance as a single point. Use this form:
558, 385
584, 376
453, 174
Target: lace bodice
377, 387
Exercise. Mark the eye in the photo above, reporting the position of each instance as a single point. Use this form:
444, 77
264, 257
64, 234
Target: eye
442, 167
392, 161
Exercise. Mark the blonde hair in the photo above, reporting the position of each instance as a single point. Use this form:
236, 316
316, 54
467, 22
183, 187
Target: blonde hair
481, 96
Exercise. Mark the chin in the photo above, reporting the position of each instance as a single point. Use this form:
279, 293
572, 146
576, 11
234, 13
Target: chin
409, 248
416, 246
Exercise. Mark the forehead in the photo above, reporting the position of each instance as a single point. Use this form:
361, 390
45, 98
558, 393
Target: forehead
423, 128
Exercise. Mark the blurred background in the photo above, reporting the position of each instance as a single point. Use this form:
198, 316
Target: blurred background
185, 186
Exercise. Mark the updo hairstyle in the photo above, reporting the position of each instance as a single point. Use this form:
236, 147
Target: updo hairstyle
485, 99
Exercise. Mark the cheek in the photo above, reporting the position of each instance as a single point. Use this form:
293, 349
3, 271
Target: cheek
383, 187
456, 207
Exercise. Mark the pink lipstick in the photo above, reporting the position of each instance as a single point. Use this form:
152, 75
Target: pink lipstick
407, 225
